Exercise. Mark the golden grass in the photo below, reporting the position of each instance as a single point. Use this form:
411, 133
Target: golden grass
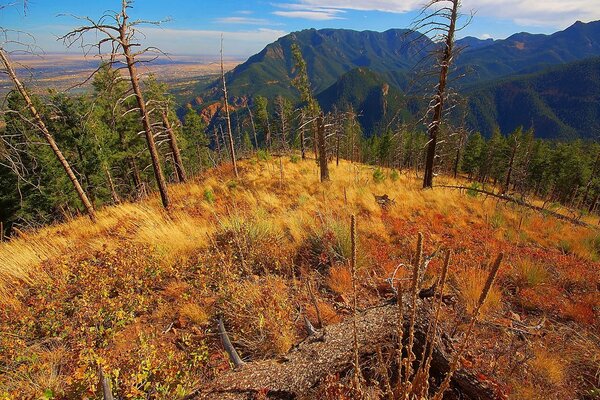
267, 221
549, 366
470, 285
340, 280
194, 313
529, 273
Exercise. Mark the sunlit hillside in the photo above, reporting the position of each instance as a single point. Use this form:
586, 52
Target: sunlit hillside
139, 292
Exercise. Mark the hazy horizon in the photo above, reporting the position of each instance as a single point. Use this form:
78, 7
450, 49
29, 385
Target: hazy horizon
195, 29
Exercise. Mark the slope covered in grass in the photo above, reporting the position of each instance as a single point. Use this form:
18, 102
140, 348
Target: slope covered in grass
139, 292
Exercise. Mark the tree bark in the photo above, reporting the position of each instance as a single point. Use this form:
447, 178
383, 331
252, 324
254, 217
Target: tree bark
510, 168
322, 149
179, 169
226, 101
438, 109
111, 185
302, 148
130, 60
48, 136
253, 127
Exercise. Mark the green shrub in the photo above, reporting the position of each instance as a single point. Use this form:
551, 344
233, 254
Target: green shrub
232, 184
209, 196
497, 220
294, 158
263, 155
565, 246
394, 175
378, 176
472, 192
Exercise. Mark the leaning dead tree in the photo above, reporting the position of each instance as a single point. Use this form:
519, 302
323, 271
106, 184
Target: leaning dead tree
228, 117
119, 34
440, 17
40, 125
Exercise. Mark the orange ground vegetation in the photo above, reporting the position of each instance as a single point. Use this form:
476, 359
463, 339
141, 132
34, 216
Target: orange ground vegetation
139, 292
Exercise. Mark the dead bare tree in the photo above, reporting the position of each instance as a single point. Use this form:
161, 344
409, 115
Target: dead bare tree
228, 117
39, 124
253, 126
119, 33
439, 17
179, 168
324, 168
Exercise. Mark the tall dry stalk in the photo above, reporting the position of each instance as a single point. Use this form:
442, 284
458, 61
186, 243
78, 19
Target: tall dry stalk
357, 373
410, 355
421, 380
482, 299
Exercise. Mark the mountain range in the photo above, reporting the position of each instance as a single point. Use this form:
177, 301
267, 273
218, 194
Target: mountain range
550, 82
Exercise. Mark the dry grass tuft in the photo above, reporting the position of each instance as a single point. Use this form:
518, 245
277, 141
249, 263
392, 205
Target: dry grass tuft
194, 313
340, 279
470, 285
548, 366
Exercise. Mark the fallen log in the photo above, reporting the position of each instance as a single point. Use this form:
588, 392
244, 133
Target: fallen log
298, 374
521, 203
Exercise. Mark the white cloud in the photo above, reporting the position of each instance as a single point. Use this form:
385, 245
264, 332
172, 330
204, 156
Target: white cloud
485, 36
242, 21
556, 13
314, 15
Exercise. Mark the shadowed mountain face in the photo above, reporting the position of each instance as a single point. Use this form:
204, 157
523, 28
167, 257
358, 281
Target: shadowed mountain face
562, 101
377, 104
524, 52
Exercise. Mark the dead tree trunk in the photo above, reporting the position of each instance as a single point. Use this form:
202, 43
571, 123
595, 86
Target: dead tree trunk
439, 98
253, 127
179, 169
48, 136
226, 101
131, 67
510, 168
111, 185
302, 138
322, 149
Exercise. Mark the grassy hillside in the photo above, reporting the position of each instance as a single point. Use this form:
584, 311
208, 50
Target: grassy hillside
139, 292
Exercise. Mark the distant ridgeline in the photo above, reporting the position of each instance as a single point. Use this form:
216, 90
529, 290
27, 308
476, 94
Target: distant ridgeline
548, 82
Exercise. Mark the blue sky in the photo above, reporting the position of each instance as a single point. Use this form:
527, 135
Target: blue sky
195, 26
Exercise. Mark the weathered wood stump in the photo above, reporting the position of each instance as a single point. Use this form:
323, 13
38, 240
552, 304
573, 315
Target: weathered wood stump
298, 374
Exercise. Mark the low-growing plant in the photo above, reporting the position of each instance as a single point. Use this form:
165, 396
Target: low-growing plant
295, 159
394, 175
260, 315
565, 246
378, 176
497, 220
209, 196
529, 273
232, 184
340, 279
263, 155
472, 191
